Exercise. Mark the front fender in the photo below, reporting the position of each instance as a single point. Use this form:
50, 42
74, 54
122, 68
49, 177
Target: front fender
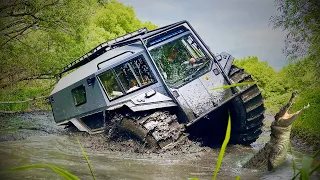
226, 61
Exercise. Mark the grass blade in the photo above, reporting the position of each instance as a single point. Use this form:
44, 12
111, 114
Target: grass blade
86, 158
193, 179
223, 148
233, 85
294, 165
313, 169
60, 171
316, 167
316, 154
306, 165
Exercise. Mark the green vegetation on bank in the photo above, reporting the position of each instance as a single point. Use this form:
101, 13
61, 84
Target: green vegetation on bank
277, 88
38, 38
301, 20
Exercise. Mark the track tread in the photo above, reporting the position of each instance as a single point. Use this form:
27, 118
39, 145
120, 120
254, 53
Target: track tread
253, 109
233, 71
157, 129
247, 99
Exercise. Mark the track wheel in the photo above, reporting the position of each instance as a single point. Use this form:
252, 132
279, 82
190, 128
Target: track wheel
157, 130
246, 110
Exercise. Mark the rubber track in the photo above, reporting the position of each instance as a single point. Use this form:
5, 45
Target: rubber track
253, 106
158, 129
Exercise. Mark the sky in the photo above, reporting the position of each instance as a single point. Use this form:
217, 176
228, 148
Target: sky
241, 28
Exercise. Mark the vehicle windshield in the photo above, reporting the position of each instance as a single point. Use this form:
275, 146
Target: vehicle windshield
180, 60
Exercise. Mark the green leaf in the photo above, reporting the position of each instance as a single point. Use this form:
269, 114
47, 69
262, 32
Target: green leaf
60, 171
86, 158
238, 178
223, 148
233, 85
193, 179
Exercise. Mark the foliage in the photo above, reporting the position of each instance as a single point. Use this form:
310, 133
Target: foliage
39, 37
277, 87
301, 20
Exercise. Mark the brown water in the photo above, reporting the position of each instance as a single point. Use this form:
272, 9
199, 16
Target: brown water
29, 145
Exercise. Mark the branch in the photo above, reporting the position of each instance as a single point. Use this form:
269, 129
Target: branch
20, 33
9, 6
36, 77
9, 112
12, 24
24, 101
16, 31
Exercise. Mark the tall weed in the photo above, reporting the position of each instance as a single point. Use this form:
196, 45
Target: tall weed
223, 148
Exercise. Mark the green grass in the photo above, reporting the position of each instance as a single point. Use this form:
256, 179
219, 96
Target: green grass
294, 164
86, 158
223, 148
306, 167
307, 126
233, 85
23, 91
58, 170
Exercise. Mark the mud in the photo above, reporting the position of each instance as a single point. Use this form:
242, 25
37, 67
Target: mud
32, 138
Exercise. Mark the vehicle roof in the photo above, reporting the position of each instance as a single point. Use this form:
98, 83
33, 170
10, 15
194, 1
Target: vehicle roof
91, 67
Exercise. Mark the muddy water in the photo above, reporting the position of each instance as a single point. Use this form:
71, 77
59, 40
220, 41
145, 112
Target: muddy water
33, 138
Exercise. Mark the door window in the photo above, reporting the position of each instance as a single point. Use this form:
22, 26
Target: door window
79, 95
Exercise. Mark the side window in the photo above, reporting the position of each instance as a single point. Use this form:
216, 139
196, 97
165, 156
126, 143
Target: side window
110, 84
142, 71
127, 78
79, 95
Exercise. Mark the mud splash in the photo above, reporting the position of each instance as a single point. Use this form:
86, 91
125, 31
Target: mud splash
32, 138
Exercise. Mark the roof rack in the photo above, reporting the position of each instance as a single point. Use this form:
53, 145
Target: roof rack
100, 49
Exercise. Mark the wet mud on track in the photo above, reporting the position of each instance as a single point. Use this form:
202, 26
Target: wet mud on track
32, 138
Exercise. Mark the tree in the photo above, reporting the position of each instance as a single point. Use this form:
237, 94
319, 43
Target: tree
39, 37
302, 21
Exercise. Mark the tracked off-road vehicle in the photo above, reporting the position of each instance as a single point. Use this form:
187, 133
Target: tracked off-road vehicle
157, 85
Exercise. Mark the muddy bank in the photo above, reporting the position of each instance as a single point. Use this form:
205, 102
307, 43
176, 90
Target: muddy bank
19, 126
31, 138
